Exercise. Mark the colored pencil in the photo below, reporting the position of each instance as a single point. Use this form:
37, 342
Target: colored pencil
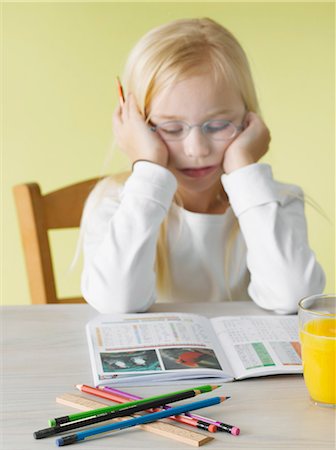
113, 397
98, 391
227, 428
220, 426
95, 412
211, 428
80, 436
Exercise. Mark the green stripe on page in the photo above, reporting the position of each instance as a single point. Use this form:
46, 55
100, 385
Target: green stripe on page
263, 354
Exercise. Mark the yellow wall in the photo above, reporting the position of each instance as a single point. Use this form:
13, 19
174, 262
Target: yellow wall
60, 60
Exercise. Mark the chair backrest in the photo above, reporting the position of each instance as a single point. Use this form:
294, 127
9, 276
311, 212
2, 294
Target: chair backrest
37, 214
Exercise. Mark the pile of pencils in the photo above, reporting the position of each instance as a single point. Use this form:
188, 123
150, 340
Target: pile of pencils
156, 408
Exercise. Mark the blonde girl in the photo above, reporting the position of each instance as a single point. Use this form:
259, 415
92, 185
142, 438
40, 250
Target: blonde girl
199, 218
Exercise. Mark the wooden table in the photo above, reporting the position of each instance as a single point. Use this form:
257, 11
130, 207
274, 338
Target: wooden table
45, 354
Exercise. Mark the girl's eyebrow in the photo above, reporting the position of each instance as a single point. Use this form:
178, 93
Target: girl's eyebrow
164, 117
176, 117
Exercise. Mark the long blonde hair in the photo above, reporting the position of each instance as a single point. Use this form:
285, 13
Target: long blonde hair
176, 51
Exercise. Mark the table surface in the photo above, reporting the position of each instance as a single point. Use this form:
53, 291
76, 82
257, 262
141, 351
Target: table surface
45, 354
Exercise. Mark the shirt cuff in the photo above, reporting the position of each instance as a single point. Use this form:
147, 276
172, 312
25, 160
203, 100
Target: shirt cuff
151, 181
250, 186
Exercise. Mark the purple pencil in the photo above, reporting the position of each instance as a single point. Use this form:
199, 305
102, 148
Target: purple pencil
221, 426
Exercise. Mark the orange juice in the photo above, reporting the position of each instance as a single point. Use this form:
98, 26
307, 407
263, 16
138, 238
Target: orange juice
318, 341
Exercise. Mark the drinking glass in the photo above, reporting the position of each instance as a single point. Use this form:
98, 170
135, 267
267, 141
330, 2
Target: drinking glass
317, 326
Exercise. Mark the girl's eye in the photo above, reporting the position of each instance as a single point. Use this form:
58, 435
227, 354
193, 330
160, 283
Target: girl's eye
217, 125
171, 128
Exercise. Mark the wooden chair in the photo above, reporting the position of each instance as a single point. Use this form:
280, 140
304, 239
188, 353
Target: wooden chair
37, 214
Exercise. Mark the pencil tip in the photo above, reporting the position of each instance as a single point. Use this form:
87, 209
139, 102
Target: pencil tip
215, 386
79, 386
224, 398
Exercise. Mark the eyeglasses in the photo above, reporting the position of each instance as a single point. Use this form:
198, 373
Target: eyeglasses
216, 129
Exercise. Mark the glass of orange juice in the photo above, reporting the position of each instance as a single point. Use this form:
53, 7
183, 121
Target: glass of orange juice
317, 323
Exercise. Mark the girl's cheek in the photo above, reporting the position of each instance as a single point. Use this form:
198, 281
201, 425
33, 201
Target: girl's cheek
175, 155
226, 145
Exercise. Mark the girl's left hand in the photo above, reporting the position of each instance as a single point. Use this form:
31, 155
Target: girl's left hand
249, 146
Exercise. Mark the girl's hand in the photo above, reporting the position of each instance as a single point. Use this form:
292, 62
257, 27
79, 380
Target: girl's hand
249, 146
134, 137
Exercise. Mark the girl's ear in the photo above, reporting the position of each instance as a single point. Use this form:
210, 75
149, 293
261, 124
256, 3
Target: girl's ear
246, 119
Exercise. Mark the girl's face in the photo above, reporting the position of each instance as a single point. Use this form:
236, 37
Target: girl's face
197, 160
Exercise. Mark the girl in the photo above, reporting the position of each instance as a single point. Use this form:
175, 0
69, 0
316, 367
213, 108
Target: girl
199, 218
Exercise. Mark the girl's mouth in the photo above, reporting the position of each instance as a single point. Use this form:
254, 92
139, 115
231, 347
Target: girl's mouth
198, 172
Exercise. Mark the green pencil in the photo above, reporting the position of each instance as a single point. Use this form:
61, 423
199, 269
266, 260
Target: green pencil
95, 412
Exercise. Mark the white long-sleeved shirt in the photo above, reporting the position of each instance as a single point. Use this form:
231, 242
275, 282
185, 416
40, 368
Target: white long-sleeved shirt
267, 259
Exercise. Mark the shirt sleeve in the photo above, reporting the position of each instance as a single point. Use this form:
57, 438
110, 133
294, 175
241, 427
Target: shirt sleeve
120, 230
282, 267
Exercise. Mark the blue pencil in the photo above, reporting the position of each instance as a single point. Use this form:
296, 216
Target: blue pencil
152, 417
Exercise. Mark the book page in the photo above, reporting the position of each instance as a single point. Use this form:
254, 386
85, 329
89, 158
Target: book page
260, 345
165, 345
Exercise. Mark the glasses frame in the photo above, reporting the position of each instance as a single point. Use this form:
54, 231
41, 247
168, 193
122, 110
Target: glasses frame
202, 127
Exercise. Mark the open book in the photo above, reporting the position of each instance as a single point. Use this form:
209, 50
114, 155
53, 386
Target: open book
146, 349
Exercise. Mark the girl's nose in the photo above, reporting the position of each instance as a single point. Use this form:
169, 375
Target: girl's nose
196, 144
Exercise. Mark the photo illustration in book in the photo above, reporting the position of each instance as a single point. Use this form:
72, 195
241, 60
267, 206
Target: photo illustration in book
189, 358
133, 361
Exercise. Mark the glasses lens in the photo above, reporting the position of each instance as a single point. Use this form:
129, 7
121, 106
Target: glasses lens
172, 131
219, 129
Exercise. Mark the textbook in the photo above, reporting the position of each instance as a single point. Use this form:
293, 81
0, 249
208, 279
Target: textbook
152, 348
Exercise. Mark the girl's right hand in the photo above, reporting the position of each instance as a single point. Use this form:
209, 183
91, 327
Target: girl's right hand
134, 137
